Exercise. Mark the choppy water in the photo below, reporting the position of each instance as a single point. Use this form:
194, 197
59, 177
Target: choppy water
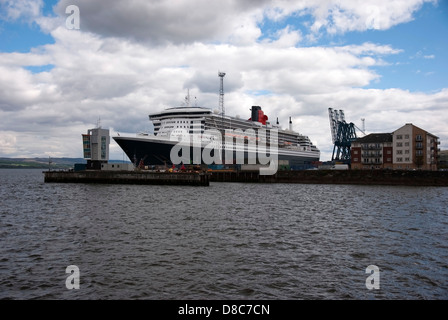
226, 241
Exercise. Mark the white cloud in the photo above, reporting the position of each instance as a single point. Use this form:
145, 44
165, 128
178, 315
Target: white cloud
286, 38
7, 143
162, 22
27, 10
17, 89
237, 22
421, 55
349, 15
122, 65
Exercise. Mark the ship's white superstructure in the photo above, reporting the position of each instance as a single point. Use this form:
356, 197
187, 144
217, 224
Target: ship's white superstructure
203, 127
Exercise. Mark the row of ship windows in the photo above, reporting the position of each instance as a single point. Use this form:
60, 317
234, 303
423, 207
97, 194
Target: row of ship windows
292, 140
172, 127
178, 121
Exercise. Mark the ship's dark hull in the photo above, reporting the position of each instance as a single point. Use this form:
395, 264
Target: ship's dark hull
150, 152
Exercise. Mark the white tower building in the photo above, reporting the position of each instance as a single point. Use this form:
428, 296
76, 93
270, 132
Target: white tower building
96, 147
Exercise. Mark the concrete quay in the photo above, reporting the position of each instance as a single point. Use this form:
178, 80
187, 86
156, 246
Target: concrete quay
128, 177
354, 177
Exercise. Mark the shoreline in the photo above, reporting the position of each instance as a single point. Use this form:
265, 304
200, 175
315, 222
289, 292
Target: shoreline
350, 177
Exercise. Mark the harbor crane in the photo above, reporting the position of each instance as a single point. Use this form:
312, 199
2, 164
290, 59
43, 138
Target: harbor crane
343, 134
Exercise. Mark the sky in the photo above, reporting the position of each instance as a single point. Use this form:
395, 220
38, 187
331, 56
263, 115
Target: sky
384, 61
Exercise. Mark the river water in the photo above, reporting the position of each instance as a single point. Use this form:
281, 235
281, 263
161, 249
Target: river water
225, 241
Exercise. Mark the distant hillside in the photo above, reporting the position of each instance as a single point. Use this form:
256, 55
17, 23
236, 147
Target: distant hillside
42, 163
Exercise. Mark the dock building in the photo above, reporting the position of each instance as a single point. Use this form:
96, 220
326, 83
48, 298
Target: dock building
96, 147
407, 148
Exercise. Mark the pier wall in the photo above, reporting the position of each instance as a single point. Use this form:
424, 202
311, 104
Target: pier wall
359, 177
354, 177
128, 177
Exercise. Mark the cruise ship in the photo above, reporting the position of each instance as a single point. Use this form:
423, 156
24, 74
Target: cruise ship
193, 127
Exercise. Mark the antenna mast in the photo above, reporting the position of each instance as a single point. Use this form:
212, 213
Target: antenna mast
221, 93
187, 99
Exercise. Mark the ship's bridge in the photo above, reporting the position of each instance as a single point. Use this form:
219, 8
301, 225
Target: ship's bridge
189, 112
186, 118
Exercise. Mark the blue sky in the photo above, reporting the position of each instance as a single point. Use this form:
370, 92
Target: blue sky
380, 60
420, 66
21, 35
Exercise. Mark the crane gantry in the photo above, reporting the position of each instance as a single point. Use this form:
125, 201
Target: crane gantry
343, 134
